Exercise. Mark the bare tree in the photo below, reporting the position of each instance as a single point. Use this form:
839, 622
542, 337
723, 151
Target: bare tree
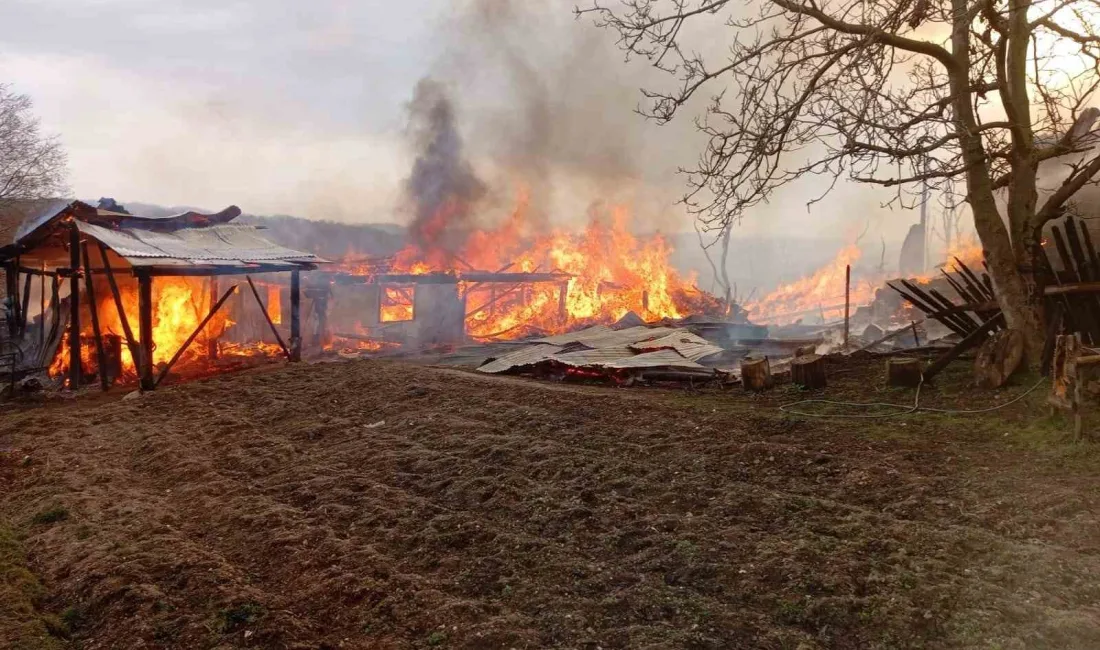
888, 92
31, 165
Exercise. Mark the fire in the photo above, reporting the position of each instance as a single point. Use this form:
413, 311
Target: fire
606, 272
275, 303
179, 305
818, 294
397, 304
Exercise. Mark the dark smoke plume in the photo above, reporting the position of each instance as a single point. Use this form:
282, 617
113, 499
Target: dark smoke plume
443, 187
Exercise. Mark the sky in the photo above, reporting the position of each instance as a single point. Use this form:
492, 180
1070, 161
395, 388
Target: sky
290, 107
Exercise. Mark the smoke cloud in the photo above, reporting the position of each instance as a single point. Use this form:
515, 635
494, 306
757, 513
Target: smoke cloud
442, 187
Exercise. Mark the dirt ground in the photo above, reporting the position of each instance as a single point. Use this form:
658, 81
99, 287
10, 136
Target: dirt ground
374, 504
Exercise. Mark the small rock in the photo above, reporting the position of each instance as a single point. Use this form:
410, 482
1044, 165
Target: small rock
134, 395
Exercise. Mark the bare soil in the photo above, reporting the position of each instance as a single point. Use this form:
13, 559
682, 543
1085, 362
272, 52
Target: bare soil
372, 504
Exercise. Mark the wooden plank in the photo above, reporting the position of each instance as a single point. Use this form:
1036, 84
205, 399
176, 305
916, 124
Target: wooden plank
26, 304
267, 317
186, 343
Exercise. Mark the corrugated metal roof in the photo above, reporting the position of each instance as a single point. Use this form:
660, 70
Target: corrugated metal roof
525, 356
689, 345
214, 245
33, 214
597, 357
657, 359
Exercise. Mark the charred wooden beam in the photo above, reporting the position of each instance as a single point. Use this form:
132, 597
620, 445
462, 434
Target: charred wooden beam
11, 280
187, 343
25, 306
971, 340
131, 343
145, 330
100, 354
295, 316
75, 370
42, 309
267, 317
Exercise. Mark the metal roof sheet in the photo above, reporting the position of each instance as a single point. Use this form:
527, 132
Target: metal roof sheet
689, 345
597, 357
213, 245
525, 356
36, 213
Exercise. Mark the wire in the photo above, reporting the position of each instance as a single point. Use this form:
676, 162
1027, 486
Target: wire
905, 410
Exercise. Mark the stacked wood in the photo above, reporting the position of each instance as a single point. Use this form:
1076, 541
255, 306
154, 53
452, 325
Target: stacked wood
756, 374
998, 358
903, 372
808, 371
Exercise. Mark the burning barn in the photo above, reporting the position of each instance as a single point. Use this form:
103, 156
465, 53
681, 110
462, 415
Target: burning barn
117, 296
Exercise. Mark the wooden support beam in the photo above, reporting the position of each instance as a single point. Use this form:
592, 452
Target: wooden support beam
131, 342
893, 335
11, 289
93, 308
145, 330
295, 316
187, 343
26, 305
563, 301
75, 371
267, 317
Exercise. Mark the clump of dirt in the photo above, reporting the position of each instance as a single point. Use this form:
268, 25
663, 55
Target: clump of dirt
377, 505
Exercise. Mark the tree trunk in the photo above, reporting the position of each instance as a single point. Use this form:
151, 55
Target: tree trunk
1019, 284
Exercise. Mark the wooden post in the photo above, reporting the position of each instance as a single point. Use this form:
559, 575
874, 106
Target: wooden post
145, 330
93, 308
55, 304
916, 337
26, 306
756, 374
847, 302
212, 341
13, 295
42, 306
75, 371
295, 316
563, 301
808, 371
11, 282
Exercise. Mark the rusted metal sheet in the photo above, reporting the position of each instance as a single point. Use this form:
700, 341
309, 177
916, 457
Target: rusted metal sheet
525, 356
602, 336
690, 346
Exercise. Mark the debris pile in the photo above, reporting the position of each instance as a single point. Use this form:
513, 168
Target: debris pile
627, 356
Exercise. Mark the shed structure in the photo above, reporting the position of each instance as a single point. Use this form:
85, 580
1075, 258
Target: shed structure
70, 242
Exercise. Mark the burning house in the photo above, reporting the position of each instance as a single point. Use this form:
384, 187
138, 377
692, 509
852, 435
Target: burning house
122, 297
